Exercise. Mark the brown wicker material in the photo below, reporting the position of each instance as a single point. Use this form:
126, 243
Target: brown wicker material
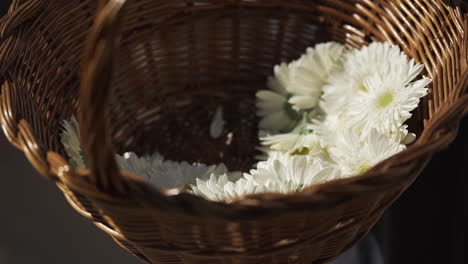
174, 62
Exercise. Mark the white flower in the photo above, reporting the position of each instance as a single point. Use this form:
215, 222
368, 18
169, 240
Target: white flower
293, 142
178, 174
70, 138
281, 173
356, 154
387, 102
141, 166
382, 59
300, 141
327, 129
403, 136
272, 105
291, 173
310, 73
166, 174
220, 188
275, 155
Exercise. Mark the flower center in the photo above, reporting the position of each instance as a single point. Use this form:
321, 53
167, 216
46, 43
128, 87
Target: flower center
363, 168
385, 99
301, 152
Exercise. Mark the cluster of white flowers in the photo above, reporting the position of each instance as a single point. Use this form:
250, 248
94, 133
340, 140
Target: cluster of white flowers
163, 174
333, 113
167, 174
281, 173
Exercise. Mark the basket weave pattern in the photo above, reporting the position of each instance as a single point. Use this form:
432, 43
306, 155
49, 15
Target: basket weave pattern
151, 74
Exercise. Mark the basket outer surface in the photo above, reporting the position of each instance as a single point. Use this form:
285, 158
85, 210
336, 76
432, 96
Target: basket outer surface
152, 74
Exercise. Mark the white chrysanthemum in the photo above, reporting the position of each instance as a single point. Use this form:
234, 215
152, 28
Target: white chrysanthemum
300, 141
356, 154
291, 173
70, 138
221, 188
383, 59
300, 144
327, 129
272, 105
275, 155
141, 166
387, 102
166, 174
403, 136
310, 73
171, 174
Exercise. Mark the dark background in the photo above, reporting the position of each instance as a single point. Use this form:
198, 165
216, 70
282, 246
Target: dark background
428, 224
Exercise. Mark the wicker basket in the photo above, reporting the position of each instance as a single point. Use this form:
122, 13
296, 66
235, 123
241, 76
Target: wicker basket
152, 72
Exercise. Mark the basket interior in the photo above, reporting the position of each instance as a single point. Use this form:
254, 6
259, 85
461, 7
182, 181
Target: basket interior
172, 76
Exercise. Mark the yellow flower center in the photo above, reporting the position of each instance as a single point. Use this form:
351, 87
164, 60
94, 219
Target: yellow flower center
385, 99
301, 152
363, 168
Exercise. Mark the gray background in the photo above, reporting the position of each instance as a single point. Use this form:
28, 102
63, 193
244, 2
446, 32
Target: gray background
36, 223
38, 226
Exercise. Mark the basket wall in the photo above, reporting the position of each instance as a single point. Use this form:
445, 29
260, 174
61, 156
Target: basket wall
179, 61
